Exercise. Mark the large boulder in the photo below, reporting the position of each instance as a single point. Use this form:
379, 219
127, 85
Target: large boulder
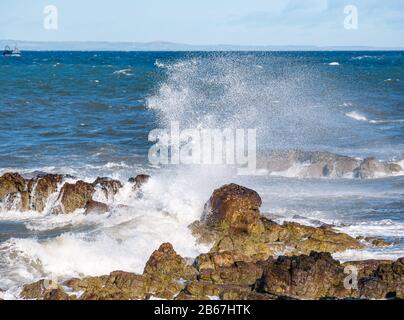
234, 208
74, 196
232, 223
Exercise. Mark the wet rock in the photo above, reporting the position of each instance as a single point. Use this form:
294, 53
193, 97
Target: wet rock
308, 164
139, 181
95, 207
378, 242
74, 196
108, 186
309, 277
23, 195
371, 168
40, 188
11, 183
235, 208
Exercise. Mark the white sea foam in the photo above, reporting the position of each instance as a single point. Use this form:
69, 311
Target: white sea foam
334, 64
356, 116
125, 72
360, 117
385, 228
368, 254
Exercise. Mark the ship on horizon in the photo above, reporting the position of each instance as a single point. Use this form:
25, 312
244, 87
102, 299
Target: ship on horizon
8, 52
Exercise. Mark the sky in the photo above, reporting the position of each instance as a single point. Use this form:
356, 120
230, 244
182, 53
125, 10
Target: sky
208, 22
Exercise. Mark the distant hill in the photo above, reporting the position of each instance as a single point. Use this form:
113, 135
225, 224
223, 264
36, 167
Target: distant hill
168, 46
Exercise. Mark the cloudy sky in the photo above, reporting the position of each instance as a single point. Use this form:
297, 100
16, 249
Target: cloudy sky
248, 22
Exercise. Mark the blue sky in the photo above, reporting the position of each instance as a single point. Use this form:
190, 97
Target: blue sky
248, 22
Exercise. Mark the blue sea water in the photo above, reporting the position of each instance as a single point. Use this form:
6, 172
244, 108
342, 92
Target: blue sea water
89, 114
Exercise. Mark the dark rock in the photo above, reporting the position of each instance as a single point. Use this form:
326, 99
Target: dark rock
109, 186
74, 196
11, 183
139, 181
309, 277
41, 188
95, 207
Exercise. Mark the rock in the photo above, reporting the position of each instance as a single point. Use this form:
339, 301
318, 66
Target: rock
95, 207
240, 273
366, 268
309, 277
216, 260
165, 270
139, 181
305, 239
235, 208
40, 188
202, 290
11, 183
386, 281
43, 290
23, 195
108, 186
74, 196
371, 168
232, 224
378, 242
325, 164
249, 247
118, 285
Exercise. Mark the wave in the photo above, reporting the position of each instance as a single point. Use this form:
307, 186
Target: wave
98, 244
366, 57
125, 72
356, 116
360, 117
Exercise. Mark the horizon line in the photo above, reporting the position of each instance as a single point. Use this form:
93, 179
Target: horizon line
39, 45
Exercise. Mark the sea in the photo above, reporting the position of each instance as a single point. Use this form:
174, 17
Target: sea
90, 114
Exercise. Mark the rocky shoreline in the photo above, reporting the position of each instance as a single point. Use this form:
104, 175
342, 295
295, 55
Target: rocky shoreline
251, 256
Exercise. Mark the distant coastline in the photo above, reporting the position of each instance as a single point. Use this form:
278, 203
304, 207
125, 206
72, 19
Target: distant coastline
171, 46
